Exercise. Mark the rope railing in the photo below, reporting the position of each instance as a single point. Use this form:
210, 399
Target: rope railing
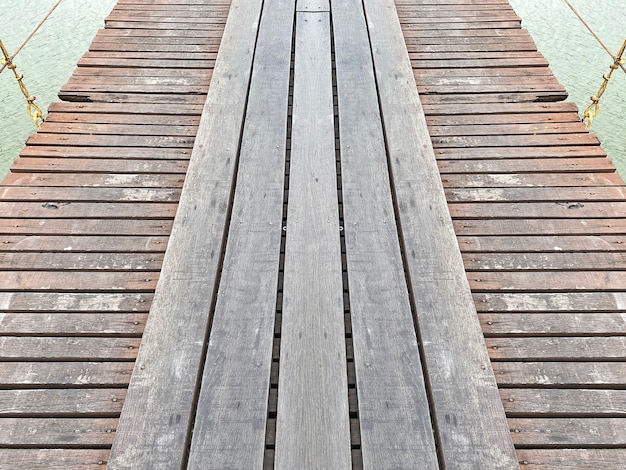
7, 62
618, 62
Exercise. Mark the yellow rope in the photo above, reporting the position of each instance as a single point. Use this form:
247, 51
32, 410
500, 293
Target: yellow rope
594, 108
28, 38
618, 62
33, 110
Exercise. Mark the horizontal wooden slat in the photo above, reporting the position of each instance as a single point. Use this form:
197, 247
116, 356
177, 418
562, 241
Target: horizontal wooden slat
64, 374
563, 402
57, 432
55, 459
61, 402
567, 433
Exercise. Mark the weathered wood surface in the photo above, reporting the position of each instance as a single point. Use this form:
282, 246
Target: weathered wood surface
157, 418
312, 419
229, 428
397, 433
79, 264
472, 430
538, 213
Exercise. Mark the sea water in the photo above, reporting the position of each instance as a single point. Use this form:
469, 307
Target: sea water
579, 62
47, 61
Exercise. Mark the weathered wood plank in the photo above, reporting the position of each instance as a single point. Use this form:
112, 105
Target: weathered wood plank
312, 419
73, 324
72, 281
611, 348
529, 402
545, 261
394, 416
552, 302
475, 430
552, 324
156, 420
70, 260
65, 433
503, 244
571, 459
569, 432
65, 374
54, 459
27, 348
74, 302
61, 403
83, 244
229, 430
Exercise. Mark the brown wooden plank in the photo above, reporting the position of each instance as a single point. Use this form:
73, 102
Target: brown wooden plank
88, 194
65, 374
74, 281
113, 227
70, 260
25, 348
524, 244
84, 244
538, 226
544, 261
55, 459
569, 432
551, 194
571, 459
103, 402
92, 180
537, 210
550, 349
74, 302
104, 165
551, 302
548, 281
561, 374
522, 165
552, 180
73, 324
92, 210
551, 403
95, 152
552, 324
65, 433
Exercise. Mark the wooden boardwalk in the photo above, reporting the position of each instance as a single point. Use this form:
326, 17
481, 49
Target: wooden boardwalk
313, 308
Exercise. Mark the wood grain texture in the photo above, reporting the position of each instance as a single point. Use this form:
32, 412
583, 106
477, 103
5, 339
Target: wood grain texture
229, 430
154, 427
54, 459
312, 418
473, 430
394, 416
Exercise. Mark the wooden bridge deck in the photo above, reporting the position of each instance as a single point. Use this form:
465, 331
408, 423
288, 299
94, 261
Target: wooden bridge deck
313, 309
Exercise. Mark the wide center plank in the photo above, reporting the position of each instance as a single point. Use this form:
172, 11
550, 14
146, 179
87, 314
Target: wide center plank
312, 420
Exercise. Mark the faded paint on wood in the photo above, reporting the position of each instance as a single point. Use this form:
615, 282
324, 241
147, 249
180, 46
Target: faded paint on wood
230, 423
312, 418
473, 430
157, 417
394, 416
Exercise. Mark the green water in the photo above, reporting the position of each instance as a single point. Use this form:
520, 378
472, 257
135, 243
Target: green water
579, 62
47, 61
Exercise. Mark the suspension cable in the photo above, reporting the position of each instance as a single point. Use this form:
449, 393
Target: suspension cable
17, 51
613, 56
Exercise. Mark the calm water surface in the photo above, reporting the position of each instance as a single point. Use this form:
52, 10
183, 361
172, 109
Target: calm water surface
47, 61
579, 61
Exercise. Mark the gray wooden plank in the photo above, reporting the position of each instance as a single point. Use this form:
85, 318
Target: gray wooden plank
229, 431
395, 425
157, 417
312, 417
312, 6
471, 427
